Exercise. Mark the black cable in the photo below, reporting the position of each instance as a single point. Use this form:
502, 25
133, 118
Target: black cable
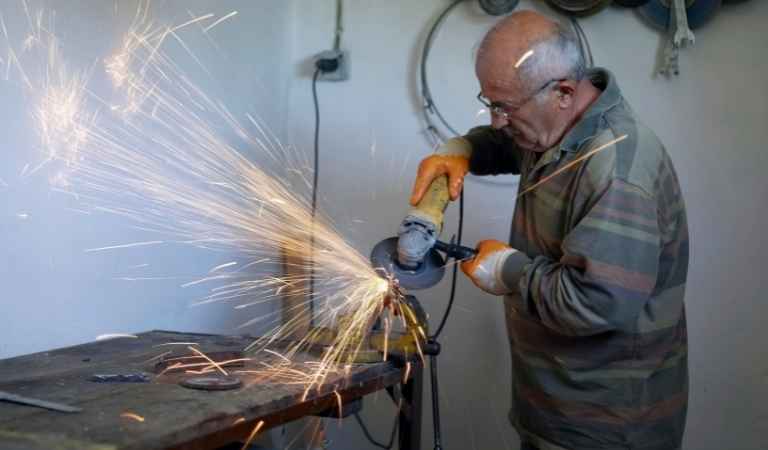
317, 141
370, 437
315, 178
452, 295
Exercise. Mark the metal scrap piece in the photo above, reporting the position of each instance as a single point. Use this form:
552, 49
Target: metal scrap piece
137, 377
53, 406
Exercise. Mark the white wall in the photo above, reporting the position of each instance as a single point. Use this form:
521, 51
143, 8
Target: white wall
54, 294
711, 118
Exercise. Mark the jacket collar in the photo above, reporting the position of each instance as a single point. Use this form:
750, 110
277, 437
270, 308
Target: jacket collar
587, 126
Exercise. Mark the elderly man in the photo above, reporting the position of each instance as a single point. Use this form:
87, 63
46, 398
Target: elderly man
594, 274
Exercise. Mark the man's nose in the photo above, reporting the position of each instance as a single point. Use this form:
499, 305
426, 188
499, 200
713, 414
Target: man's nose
498, 121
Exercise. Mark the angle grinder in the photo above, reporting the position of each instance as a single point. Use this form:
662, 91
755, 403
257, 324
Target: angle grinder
413, 258
425, 273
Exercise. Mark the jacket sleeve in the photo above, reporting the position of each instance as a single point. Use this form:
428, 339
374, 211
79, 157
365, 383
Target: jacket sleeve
493, 153
608, 269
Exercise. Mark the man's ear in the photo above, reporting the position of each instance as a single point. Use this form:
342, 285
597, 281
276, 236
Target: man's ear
565, 92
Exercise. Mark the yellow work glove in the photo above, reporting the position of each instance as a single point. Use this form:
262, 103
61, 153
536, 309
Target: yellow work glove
431, 167
452, 159
496, 268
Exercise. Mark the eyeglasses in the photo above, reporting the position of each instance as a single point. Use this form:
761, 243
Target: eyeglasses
504, 111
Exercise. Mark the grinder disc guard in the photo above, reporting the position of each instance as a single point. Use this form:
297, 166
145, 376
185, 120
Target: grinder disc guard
428, 274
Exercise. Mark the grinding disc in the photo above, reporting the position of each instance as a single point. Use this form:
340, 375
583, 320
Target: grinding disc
579, 7
498, 7
657, 12
212, 383
428, 274
630, 3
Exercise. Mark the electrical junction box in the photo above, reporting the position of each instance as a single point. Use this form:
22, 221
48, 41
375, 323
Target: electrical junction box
333, 65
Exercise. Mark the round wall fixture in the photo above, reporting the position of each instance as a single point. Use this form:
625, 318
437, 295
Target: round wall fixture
498, 7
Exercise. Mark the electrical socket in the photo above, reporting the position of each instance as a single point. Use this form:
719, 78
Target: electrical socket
333, 65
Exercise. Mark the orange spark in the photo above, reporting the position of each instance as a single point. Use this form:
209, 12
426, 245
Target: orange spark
407, 371
571, 164
253, 434
132, 416
338, 402
176, 343
214, 363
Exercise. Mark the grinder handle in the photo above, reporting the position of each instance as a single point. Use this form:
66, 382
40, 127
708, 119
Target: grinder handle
434, 201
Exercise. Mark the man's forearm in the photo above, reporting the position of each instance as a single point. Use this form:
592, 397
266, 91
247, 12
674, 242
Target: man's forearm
513, 269
457, 146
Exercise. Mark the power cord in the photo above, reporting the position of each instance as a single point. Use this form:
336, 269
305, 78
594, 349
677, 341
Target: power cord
454, 276
434, 345
315, 179
371, 438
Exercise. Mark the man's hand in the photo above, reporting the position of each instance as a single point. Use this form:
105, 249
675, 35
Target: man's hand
485, 269
455, 166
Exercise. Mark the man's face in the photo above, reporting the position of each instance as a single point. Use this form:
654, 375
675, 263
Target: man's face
528, 117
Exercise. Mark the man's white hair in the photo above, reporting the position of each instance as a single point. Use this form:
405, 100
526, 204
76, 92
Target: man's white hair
556, 57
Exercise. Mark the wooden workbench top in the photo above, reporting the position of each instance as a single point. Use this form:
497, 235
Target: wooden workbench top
173, 416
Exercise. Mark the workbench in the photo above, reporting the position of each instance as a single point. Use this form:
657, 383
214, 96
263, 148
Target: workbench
161, 414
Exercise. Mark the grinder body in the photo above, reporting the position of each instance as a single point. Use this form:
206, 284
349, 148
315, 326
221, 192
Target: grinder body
422, 225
